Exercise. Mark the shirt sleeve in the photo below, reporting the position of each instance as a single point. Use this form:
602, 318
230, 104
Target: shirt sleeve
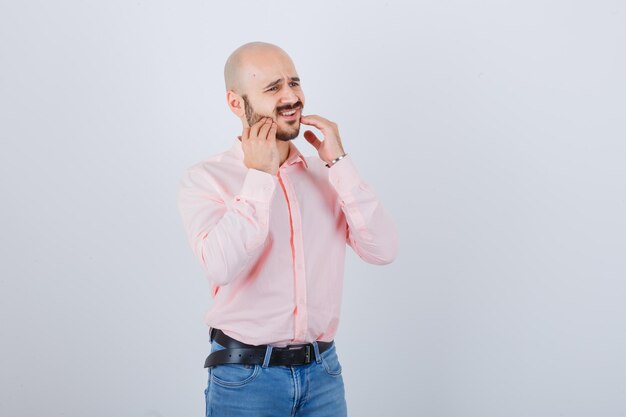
371, 232
225, 237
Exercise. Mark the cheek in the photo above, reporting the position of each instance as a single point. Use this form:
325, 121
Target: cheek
265, 107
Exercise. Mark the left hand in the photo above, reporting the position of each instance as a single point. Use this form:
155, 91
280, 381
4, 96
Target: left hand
330, 148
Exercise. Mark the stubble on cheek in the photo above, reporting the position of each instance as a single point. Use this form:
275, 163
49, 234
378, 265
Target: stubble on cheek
251, 116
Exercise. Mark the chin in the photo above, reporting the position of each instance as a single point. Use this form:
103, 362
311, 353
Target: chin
289, 134
285, 136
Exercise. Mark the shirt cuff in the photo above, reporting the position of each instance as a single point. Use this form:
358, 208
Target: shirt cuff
344, 176
258, 186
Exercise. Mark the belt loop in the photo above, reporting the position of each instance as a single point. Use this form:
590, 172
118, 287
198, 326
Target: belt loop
318, 357
268, 354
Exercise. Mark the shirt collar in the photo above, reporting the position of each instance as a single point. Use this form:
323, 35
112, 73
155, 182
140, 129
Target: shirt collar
294, 154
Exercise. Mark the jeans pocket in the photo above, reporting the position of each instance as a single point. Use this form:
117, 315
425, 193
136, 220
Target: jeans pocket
234, 374
330, 360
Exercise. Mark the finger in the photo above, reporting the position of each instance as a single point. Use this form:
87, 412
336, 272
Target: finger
254, 131
316, 118
317, 121
271, 135
312, 139
264, 129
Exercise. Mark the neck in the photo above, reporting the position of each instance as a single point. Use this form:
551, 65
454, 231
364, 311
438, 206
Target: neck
283, 151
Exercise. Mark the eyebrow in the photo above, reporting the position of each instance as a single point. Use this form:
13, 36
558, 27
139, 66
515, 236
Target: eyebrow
273, 83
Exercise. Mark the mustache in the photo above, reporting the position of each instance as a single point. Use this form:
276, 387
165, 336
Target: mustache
297, 105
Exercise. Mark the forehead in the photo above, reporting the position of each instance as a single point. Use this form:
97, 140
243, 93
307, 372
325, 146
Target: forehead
264, 68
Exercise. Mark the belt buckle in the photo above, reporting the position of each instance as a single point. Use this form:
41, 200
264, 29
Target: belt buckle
298, 348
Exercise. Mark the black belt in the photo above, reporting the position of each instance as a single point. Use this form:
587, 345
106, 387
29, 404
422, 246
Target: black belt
239, 352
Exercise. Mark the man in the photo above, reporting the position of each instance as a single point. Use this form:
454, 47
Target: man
270, 227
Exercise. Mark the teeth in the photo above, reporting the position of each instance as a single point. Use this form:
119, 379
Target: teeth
288, 113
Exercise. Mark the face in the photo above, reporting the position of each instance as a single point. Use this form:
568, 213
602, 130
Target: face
274, 91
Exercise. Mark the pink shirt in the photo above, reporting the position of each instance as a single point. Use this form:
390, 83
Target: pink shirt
273, 247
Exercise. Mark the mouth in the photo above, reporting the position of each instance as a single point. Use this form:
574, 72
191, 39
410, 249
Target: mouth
290, 115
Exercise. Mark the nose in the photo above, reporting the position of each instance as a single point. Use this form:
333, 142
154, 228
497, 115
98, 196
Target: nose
289, 96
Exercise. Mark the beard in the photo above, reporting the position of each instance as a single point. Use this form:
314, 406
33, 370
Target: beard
285, 135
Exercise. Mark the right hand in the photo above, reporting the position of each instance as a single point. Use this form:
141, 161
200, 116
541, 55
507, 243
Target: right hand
259, 146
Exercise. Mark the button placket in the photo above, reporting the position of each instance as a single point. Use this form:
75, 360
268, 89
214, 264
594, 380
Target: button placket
301, 318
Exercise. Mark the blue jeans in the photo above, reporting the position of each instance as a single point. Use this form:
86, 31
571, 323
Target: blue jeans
312, 390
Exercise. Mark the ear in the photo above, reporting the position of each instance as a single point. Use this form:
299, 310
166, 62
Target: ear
235, 103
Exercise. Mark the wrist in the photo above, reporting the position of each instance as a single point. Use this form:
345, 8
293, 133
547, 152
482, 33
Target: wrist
334, 161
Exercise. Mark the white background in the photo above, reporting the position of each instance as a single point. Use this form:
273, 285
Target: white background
493, 132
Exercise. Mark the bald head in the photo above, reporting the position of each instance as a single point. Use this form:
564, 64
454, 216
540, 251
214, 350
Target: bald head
242, 64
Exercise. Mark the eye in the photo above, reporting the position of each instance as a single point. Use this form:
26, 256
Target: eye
273, 88
294, 83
